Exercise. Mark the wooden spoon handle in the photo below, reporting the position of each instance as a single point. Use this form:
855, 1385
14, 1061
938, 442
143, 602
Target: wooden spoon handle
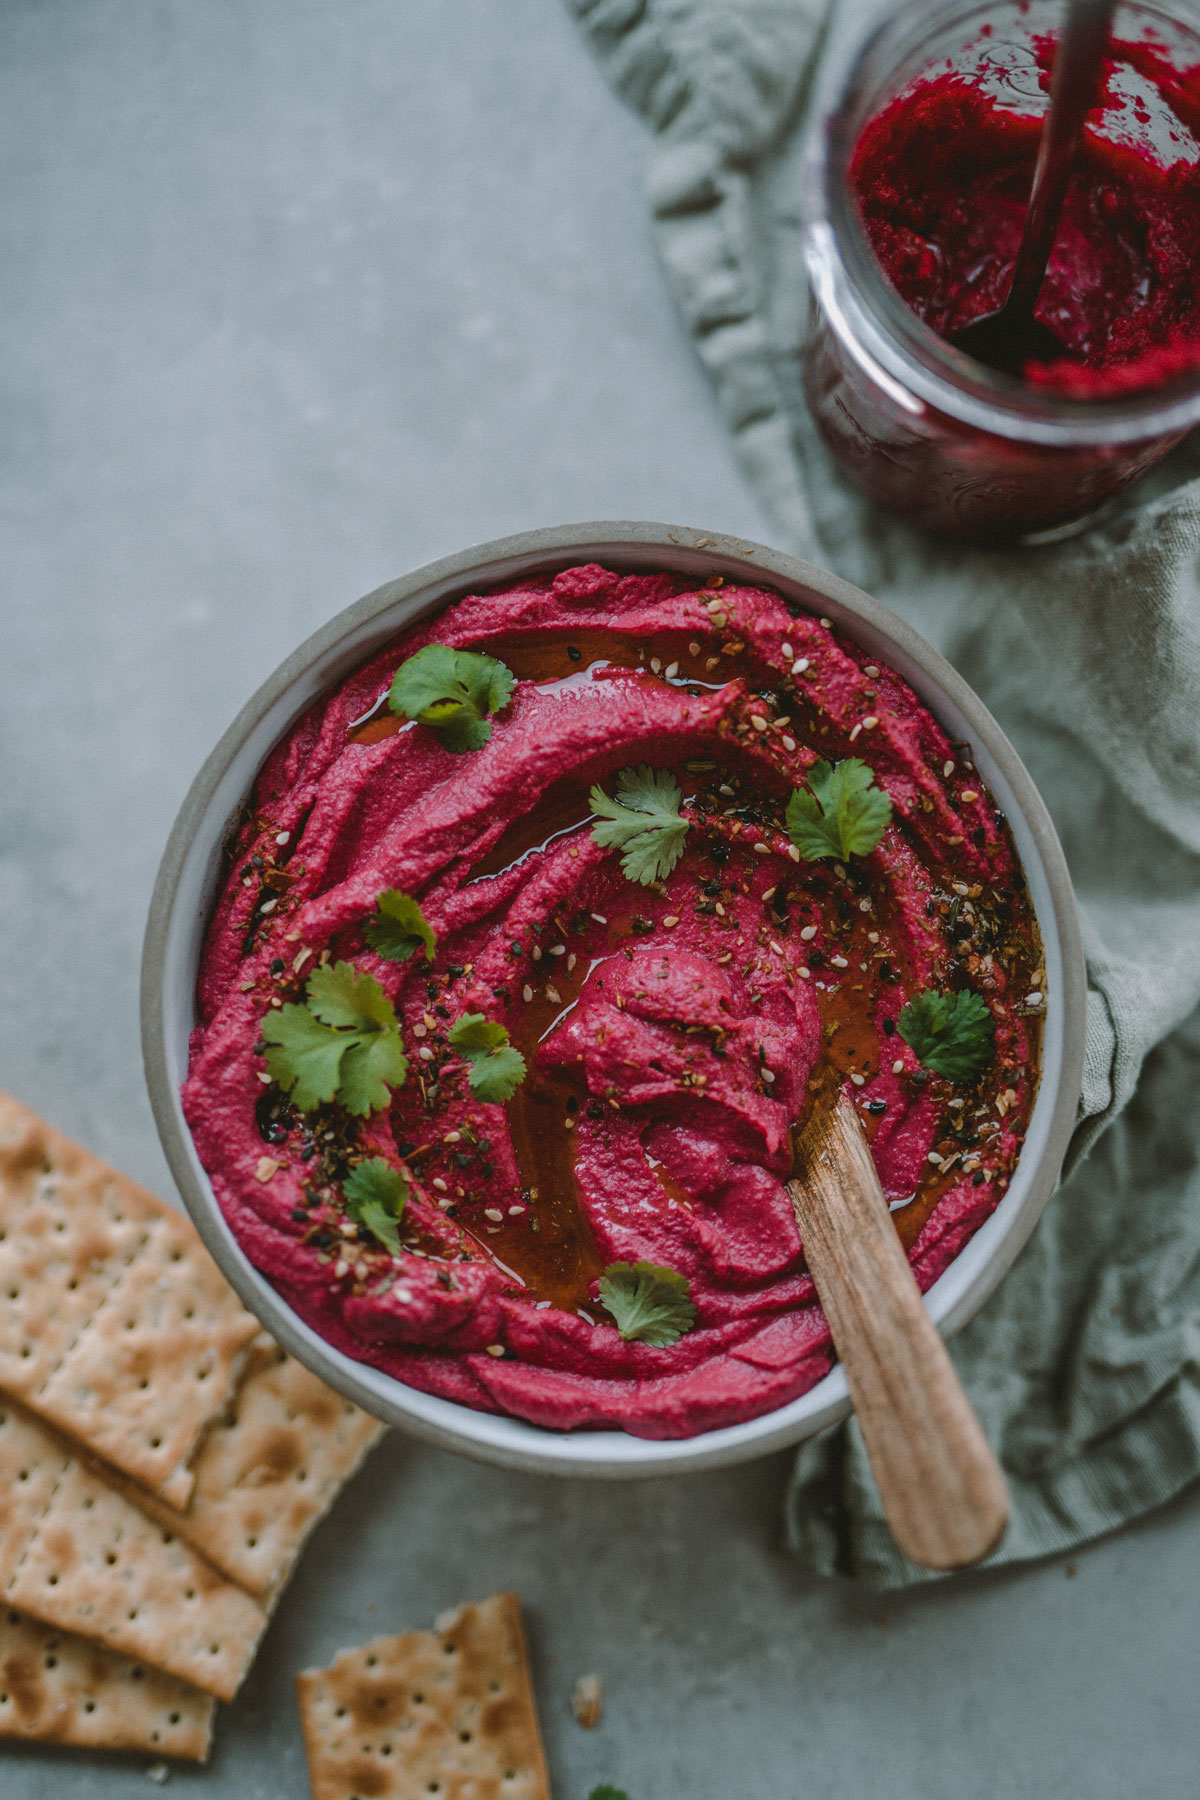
942, 1489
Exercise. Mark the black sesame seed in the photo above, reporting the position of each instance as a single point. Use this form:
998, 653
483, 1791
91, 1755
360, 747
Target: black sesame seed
977, 1180
889, 1027
574, 654
595, 1110
876, 1106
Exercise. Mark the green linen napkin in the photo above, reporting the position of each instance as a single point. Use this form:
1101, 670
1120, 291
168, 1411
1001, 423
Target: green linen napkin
1085, 1364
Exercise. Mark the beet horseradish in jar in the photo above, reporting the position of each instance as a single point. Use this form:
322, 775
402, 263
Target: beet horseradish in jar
918, 195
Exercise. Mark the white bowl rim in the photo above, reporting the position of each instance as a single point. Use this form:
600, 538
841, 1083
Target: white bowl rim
184, 889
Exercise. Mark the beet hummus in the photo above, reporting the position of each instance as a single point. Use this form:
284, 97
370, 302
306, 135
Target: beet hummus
409, 903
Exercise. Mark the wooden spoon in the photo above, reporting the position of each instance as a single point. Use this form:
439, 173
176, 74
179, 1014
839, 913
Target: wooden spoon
941, 1486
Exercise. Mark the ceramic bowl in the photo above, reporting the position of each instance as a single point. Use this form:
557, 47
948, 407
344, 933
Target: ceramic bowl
191, 867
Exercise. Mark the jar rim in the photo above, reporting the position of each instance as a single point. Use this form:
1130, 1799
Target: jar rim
906, 356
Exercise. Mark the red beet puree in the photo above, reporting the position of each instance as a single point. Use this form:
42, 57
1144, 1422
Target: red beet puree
943, 176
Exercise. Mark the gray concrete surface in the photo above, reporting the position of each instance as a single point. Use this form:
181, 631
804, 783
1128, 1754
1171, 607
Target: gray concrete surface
294, 296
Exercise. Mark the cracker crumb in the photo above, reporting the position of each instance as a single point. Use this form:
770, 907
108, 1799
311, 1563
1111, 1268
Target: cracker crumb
587, 1701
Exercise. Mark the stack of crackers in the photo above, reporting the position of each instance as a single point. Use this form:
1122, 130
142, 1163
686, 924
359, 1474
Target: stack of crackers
161, 1460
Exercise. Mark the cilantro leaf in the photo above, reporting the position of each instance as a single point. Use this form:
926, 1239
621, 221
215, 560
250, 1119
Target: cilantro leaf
495, 1070
841, 813
454, 691
342, 1043
643, 821
648, 1302
952, 1034
375, 1196
398, 927
303, 1056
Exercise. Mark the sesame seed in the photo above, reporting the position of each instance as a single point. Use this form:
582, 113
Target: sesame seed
839, 962
864, 905
768, 1076
872, 937
856, 731
537, 953
786, 649
758, 722
726, 790
804, 974
947, 769
671, 921
265, 1079
265, 1168
761, 849
857, 1079
789, 743
341, 1267
828, 624
453, 1137
527, 992
671, 671
493, 1213
420, 1031
558, 949
600, 918
769, 893
495, 1349
870, 722
960, 887
571, 961
933, 1157
898, 1066
799, 666
808, 933
712, 606
793, 852
693, 648
440, 1185
270, 906
720, 910
425, 1053
870, 669
1034, 998
656, 665
552, 993
283, 837
969, 794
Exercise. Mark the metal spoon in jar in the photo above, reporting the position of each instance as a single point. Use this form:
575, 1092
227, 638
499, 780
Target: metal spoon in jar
1010, 337
942, 1489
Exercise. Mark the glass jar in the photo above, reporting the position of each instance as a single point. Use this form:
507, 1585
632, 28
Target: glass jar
922, 428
